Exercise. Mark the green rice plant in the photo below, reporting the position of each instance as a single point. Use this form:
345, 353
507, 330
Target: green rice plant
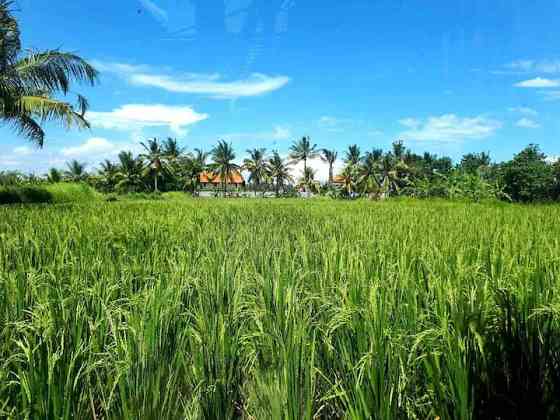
278, 309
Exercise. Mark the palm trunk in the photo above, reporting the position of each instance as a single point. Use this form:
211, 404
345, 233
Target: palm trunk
155, 183
331, 177
277, 188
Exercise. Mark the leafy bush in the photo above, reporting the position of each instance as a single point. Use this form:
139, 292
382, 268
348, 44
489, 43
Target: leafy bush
65, 192
24, 195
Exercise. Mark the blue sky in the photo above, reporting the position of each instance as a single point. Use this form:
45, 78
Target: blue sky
446, 77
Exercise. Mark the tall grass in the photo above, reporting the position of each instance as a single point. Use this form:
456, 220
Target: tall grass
279, 310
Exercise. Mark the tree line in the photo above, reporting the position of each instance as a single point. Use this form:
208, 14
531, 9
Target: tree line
375, 174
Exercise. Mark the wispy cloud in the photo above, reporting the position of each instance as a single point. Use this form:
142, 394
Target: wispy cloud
211, 85
448, 128
137, 116
335, 124
527, 123
255, 85
551, 95
550, 66
523, 110
538, 82
157, 12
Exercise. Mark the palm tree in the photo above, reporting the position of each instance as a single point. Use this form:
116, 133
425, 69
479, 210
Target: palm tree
399, 150
308, 180
156, 159
348, 178
353, 155
130, 172
191, 168
171, 149
201, 156
369, 173
108, 174
279, 171
329, 157
31, 81
257, 167
54, 175
303, 150
223, 156
76, 171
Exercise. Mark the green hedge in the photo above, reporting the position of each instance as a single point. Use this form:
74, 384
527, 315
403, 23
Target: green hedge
27, 194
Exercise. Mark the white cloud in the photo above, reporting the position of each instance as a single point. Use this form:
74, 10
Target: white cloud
410, 122
281, 133
524, 110
212, 85
23, 150
321, 169
255, 85
538, 82
93, 146
138, 116
522, 65
449, 128
535, 66
527, 123
277, 133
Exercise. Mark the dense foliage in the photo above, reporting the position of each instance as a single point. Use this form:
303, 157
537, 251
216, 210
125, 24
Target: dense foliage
206, 309
376, 174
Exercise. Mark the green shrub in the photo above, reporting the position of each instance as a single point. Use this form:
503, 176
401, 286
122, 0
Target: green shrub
65, 192
24, 195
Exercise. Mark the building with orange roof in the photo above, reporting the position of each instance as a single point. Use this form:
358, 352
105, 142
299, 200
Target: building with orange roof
338, 180
235, 179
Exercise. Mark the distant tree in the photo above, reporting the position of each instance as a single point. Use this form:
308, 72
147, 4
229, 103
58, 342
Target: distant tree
8, 178
399, 150
353, 155
30, 83
130, 174
279, 171
329, 157
369, 173
156, 159
76, 171
528, 176
303, 150
108, 175
257, 166
171, 149
472, 163
54, 175
223, 165
308, 180
349, 179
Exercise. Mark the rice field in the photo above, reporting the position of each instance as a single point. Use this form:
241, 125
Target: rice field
279, 309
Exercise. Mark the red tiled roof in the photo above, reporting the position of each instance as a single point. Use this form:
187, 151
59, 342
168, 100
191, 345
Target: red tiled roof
210, 178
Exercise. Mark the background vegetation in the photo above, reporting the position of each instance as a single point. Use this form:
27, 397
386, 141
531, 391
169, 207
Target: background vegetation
165, 166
